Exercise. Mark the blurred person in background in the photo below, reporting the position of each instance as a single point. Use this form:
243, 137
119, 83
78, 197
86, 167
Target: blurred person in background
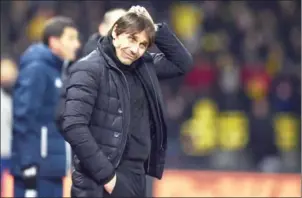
263, 149
110, 18
9, 73
40, 156
114, 93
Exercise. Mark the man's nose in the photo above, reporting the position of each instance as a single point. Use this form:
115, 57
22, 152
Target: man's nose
134, 49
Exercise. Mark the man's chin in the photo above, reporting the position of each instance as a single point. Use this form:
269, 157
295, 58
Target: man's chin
126, 62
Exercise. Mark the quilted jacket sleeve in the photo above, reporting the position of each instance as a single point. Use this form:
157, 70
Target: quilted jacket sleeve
81, 93
175, 60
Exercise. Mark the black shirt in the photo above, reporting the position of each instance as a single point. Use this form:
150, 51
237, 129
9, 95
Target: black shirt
138, 144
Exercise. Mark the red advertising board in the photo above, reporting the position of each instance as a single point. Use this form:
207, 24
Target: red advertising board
183, 183
189, 183
7, 185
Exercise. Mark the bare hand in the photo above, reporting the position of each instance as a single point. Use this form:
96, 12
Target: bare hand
141, 11
110, 185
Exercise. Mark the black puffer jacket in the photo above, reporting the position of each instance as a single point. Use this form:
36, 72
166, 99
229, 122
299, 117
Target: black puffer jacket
91, 44
94, 112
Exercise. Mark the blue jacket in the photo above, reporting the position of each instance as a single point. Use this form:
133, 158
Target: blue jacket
36, 139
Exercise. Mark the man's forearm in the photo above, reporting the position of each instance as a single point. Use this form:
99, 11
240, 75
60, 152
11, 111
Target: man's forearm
89, 153
171, 47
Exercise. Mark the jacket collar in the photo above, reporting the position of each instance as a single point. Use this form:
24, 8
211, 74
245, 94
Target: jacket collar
41, 52
103, 53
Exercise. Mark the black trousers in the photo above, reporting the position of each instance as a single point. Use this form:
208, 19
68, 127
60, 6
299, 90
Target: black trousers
128, 184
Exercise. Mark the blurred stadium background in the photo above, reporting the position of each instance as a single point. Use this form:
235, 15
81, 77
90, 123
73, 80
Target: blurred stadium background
235, 120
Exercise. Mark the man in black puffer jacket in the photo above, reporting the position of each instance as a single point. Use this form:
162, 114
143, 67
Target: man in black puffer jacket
112, 110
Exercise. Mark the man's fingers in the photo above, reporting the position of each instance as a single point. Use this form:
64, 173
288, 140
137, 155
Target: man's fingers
140, 9
132, 9
137, 9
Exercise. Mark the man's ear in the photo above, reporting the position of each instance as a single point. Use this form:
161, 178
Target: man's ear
53, 43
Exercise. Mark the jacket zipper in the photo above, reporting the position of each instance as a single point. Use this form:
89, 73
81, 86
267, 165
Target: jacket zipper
115, 67
128, 91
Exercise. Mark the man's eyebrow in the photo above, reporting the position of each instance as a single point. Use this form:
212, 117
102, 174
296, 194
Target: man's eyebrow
144, 42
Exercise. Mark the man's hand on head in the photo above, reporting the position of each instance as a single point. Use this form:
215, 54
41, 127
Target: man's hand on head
140, 10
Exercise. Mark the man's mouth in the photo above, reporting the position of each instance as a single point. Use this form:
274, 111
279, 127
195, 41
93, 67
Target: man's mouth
129, 56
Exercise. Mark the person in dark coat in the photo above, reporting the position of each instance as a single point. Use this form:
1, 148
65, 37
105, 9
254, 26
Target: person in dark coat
109, 19
112, 110
40, 156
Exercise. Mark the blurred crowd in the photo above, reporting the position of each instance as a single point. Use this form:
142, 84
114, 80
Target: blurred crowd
238, 109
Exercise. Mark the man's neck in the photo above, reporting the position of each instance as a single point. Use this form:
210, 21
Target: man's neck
56, 53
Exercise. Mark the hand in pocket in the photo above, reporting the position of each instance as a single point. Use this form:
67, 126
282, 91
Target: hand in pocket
110, 185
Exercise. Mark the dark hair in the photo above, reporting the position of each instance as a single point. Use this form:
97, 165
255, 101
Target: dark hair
55, 27
132, 23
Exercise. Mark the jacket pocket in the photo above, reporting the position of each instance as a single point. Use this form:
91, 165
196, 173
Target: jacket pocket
44, 141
